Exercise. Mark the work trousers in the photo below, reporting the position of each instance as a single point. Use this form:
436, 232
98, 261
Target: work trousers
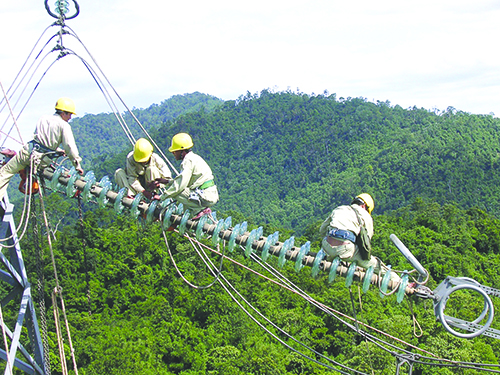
348, 252
17, 164
197, 200
132, 183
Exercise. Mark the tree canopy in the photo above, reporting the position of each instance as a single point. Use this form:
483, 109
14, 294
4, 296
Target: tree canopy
282, 160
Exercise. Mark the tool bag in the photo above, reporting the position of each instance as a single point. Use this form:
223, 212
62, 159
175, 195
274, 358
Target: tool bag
363, 240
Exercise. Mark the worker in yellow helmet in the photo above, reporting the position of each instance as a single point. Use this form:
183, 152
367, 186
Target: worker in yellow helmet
145, 171
194, 187
51, 131
342, 229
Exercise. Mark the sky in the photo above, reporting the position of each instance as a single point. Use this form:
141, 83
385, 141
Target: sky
429, 54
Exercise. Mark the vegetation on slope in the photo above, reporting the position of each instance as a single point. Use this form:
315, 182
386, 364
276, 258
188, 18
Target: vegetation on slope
284, 160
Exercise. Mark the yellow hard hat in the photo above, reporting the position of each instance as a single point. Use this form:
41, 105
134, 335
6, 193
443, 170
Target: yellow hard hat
370, 203
143, 150
66, 105
181, 141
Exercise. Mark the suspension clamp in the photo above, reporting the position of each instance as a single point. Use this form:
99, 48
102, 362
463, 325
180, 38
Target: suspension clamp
453, 284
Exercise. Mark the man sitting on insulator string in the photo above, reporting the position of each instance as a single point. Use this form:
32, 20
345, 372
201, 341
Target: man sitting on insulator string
194, 187
341, 231
145, 171
51, 131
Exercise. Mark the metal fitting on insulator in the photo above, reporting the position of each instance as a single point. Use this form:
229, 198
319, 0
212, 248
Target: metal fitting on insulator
62, 7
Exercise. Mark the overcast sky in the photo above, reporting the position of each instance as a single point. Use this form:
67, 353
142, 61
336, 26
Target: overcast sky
430, 54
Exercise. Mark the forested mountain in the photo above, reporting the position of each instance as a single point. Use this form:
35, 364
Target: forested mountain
99, 135
283, 161
288, 158
131, 313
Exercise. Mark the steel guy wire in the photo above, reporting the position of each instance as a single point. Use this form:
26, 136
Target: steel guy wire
225, 287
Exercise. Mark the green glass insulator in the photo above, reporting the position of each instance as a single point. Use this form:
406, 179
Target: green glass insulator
215, 236
400, 294
260, 232
54, 182
270, 240
333, 269
70, 186
150, 212
105, 185
199, 227
89, 181
304, 249
368, 278
287, 245
232, 238
184, 219
118, 205
167, 216
227, 223
243, 228
250, 240
317, 261
350, 274
134, 207
385, 282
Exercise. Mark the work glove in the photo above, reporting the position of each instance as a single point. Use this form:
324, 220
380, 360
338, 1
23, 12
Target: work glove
79, 169
148, 194
152, 185
151, 195
163, 181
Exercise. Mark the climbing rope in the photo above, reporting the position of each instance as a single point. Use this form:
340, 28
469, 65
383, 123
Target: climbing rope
84, 246
59, 335
23, 221
226, 285
40, 288
355, 316
197, 287
6, 343
58, 289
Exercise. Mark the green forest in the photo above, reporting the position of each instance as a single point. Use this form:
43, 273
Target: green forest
283, 161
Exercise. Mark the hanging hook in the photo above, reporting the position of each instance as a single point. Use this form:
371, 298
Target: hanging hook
62, 9
401, 360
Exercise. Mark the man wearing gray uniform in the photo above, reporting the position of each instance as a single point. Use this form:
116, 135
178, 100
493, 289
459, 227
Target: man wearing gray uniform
194, 187
145, 171
341, 228
51, 131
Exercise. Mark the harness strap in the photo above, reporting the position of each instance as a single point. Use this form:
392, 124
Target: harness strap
207, 184
342, 234
36, 146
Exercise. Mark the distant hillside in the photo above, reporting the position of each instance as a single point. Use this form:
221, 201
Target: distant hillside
101, 134
288, 159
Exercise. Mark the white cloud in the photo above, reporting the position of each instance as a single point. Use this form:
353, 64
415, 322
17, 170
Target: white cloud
427, 54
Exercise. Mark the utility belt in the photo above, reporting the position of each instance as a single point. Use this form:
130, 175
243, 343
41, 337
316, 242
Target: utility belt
36, 146
342, 234
206, 184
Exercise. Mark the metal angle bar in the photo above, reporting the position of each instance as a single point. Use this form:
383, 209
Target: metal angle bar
26, 367
15, 274
17, 291
472, 327
18, 328
16, 257
7, 277
23, 350
11, 269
